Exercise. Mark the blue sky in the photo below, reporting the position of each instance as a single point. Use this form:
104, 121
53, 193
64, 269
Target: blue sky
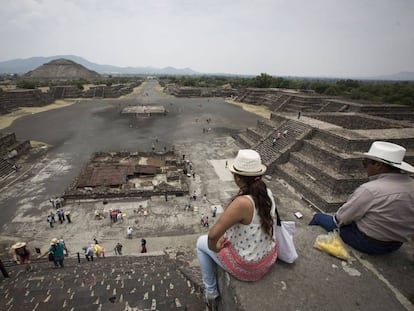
281, 37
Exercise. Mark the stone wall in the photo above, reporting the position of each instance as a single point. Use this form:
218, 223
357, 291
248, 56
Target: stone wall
100, 91
357, 121
187, 91
10, 147
66, 91
6, 140
11, 100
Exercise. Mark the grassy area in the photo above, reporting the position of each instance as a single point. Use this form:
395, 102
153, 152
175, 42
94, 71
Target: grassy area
135, 91
8, 87
259, 110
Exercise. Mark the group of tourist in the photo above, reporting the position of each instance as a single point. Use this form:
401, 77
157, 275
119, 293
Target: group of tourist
204, 221
61, 215
57, 251
116, 215
377, 218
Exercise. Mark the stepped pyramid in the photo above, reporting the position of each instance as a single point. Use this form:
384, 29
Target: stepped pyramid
61, 69
143, 282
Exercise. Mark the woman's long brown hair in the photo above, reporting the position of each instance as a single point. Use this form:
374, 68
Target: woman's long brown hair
258, 190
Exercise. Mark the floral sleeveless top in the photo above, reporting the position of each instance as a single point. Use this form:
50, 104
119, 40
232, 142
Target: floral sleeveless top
249, 252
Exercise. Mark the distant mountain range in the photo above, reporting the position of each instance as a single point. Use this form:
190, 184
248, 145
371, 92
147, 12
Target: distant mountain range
22, 66
401, 76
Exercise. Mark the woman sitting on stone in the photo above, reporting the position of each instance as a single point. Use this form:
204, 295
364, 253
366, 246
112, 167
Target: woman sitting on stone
241, 241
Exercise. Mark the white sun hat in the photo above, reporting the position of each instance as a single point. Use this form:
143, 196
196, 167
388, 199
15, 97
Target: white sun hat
247, 163
18, 245
389, 153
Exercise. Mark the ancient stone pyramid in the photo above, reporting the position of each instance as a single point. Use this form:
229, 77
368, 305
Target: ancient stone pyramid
61, 69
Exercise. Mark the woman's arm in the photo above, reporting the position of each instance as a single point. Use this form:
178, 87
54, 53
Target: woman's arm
15, 257
239, 211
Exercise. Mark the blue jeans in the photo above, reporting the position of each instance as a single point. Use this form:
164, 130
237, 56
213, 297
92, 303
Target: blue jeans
59, 261
351, 235
208, 263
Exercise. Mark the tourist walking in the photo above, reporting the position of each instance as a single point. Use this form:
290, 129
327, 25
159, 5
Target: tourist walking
67, 213
88, 251
22, 255
118, 249
129, 233
57, 249
99, 250
50, 219
143, 246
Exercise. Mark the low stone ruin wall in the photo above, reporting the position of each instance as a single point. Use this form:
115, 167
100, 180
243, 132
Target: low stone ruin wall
100, 91
10, 147
355, 121
11, 100
186, 91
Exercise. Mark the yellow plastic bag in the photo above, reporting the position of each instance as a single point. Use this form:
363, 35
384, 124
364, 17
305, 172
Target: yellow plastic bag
332, 244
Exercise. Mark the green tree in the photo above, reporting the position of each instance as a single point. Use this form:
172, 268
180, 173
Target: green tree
332, 90
263, 80
24, 84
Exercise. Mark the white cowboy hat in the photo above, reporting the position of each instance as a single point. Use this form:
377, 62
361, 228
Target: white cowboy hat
54, 241
18, 245
389, 153
247, 163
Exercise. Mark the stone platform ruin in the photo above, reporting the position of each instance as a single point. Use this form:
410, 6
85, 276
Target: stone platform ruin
125, 174
144, 110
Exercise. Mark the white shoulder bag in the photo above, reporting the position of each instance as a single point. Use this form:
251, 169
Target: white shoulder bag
283, 232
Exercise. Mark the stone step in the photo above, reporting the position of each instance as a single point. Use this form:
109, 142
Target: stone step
245, 141
322, 175
6, 168
310, 191
144, 282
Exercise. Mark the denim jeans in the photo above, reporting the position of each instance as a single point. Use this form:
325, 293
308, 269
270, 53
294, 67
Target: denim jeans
59, 261
351, 235
208, 263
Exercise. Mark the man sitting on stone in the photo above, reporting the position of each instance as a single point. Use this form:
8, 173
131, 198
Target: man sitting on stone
379, 216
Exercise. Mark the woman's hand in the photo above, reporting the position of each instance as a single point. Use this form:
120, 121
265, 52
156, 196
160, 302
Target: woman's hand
220, 244
216, 245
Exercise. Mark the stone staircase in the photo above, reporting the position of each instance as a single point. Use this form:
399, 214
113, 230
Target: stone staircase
261, 138
6, 168
143, 282
270, 151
